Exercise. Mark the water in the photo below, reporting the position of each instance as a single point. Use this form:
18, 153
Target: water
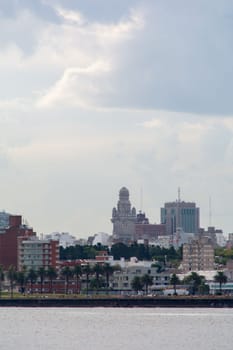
115, 329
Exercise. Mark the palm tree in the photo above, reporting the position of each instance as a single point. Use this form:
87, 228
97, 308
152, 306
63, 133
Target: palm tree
21, 279
194, 280
77, 273
147, 281
87, 270
137, 284
108, 271
66, 272
32, 276
221, 279
11, 275
98, 270
52, 274
2, 276
41, 274
174, 280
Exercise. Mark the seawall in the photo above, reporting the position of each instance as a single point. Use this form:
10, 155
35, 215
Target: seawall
189, 302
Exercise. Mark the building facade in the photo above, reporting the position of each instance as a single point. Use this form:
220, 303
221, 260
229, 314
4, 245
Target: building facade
8, 240
34, 253
198, 255
4, 220
122, 280
180, 214
124, 219
144, 231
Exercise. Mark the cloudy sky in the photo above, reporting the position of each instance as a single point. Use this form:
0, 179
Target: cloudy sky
100, 94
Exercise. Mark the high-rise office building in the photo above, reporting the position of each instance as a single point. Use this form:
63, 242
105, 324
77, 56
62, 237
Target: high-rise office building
124, 218
180, 214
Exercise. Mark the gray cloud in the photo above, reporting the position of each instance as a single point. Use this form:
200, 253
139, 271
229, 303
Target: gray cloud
135, 94
179, 60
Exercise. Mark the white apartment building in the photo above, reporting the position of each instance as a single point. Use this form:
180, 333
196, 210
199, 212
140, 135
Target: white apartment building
35, 253
121, 280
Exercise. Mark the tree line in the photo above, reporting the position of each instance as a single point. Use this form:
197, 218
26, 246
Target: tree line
96, 278
93, 277
223, 255
120, 250
195, 283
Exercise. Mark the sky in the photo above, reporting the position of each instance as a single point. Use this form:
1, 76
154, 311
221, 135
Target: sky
97, 94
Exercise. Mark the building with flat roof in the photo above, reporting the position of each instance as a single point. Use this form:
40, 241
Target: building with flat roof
8, 240
122, 279
148, 232
198, 255
35, 253
180, 214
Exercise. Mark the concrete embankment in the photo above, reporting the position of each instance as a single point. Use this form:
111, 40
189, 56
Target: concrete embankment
212, 302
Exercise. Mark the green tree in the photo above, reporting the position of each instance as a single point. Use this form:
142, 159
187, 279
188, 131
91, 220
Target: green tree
174, 280
147, 281
194, 280
77, 271
120, 250
21, 278
137, 284
41, 274
203, 289
221, 279
159, 267
108, 271
67, 273
2, 277
52, 275
32, 276
98, 271
11, 275
87, 270
97, 284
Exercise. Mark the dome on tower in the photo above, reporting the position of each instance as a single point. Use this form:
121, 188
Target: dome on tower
124, 193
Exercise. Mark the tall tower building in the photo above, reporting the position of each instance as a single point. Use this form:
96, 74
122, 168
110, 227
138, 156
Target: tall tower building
124, 218
180, 214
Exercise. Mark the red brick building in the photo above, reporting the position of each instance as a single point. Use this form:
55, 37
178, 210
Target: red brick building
146, 231
8, 240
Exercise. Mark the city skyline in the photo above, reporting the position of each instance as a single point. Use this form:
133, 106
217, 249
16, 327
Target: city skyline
98, 95
139, 209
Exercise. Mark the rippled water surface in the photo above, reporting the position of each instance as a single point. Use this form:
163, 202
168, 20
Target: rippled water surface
121, 329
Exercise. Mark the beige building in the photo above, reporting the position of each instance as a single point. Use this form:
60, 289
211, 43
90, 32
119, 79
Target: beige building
198, 255
124, 219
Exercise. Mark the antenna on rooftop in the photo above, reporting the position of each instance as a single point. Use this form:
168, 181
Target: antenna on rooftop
178, 212
141, 199
210, 211
179, 194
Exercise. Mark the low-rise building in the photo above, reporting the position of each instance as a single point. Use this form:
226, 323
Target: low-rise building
122, 280
65, 239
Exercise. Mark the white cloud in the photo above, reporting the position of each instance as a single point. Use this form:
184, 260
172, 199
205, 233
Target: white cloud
71, 16
89, 105
74, 87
